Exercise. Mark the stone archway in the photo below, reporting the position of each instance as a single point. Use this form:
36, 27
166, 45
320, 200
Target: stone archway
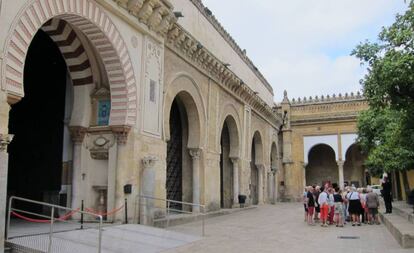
184, 140
354, 171
229, 159
256, 169
92, 21
322, 166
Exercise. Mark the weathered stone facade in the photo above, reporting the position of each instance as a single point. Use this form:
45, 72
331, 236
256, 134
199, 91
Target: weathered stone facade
318, 142
138, 59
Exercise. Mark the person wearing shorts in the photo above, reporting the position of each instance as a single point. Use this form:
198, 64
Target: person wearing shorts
323, 203
339, 207
372, 203
311, 205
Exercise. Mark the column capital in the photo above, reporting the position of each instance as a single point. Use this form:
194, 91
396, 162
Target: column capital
234, 160
340, 162
77, 133
5, 140
194, 153
149, 161
260, 167
121, 133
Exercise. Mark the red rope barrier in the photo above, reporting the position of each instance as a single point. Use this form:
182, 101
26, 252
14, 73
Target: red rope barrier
90, 210
62, 218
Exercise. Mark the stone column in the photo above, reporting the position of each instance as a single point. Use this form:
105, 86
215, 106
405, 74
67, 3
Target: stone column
236, 189
304, 174
195, 157
5, 139
275, 186
121, 134
77, 135
270, 186
147, 189
260, 174
341, 173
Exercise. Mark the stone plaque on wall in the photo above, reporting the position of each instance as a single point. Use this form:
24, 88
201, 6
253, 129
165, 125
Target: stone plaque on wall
152, 88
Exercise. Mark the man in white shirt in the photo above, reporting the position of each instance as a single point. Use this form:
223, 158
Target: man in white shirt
323, 203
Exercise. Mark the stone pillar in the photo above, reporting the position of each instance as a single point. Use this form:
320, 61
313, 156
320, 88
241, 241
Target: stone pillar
77, 135
195, 157
236, 189
121, 134
341, 173
270, 186
5, 139
304, 174
260, 170
147, 189
275, 184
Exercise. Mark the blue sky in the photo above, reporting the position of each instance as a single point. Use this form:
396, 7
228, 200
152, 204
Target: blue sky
304, 46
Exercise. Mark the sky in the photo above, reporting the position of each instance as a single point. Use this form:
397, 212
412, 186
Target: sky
304, 46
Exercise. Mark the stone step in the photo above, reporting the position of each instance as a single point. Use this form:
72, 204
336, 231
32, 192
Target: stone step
179, 219
401, 230
404, 210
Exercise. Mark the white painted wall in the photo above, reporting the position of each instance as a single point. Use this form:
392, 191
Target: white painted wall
310, 141
196, 24
347, 140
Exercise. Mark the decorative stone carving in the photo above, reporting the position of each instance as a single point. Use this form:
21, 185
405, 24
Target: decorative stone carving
77, 133
195, 153
100, 146
5, 140
156, 14
121, 133
149, 161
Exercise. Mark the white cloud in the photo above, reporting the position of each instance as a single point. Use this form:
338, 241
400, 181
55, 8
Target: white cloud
304, 45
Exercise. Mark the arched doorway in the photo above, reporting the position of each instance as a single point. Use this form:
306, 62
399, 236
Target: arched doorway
37, 121
354, 171
182, 179
229, 158
176, 152
73, 78
256, 163
322, 166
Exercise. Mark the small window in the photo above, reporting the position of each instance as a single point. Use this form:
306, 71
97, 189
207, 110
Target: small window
152, 90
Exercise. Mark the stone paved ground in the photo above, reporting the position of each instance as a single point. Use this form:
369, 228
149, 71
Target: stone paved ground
280, 228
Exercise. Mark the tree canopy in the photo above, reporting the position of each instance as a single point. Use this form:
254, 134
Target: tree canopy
386, 129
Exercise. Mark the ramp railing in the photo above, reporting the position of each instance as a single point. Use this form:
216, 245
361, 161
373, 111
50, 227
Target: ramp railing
169, 207
46, 243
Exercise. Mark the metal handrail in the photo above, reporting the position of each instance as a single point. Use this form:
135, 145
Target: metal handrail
52, 218
168, 201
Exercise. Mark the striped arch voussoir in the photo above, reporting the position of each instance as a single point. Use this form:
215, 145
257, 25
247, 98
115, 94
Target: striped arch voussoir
54, 17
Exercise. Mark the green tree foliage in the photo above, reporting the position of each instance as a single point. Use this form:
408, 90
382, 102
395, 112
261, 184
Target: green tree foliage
386, 130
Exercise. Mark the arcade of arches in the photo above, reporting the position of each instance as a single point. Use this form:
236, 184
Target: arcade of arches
99, 104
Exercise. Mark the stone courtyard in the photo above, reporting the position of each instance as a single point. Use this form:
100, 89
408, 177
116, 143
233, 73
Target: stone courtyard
264, 229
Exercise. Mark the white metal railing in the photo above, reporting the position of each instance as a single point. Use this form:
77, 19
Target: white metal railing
168, 209
50, 219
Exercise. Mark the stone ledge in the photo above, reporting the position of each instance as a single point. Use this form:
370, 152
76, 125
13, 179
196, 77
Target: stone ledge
400, 229
180, 219
404, 210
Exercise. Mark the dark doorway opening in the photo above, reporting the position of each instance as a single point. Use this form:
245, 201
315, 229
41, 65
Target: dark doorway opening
35, 154
226, 182
254, 176
174, 157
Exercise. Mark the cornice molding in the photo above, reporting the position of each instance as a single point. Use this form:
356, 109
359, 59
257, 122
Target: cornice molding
157, 15
220, 29
185, 45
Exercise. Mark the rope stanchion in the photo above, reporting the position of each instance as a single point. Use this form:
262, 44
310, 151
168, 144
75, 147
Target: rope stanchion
62, 218
90, 210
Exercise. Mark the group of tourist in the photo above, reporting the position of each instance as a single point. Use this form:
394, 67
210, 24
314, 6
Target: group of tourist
329, 205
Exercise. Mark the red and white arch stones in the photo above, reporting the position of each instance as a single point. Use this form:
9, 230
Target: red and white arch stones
91, 20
